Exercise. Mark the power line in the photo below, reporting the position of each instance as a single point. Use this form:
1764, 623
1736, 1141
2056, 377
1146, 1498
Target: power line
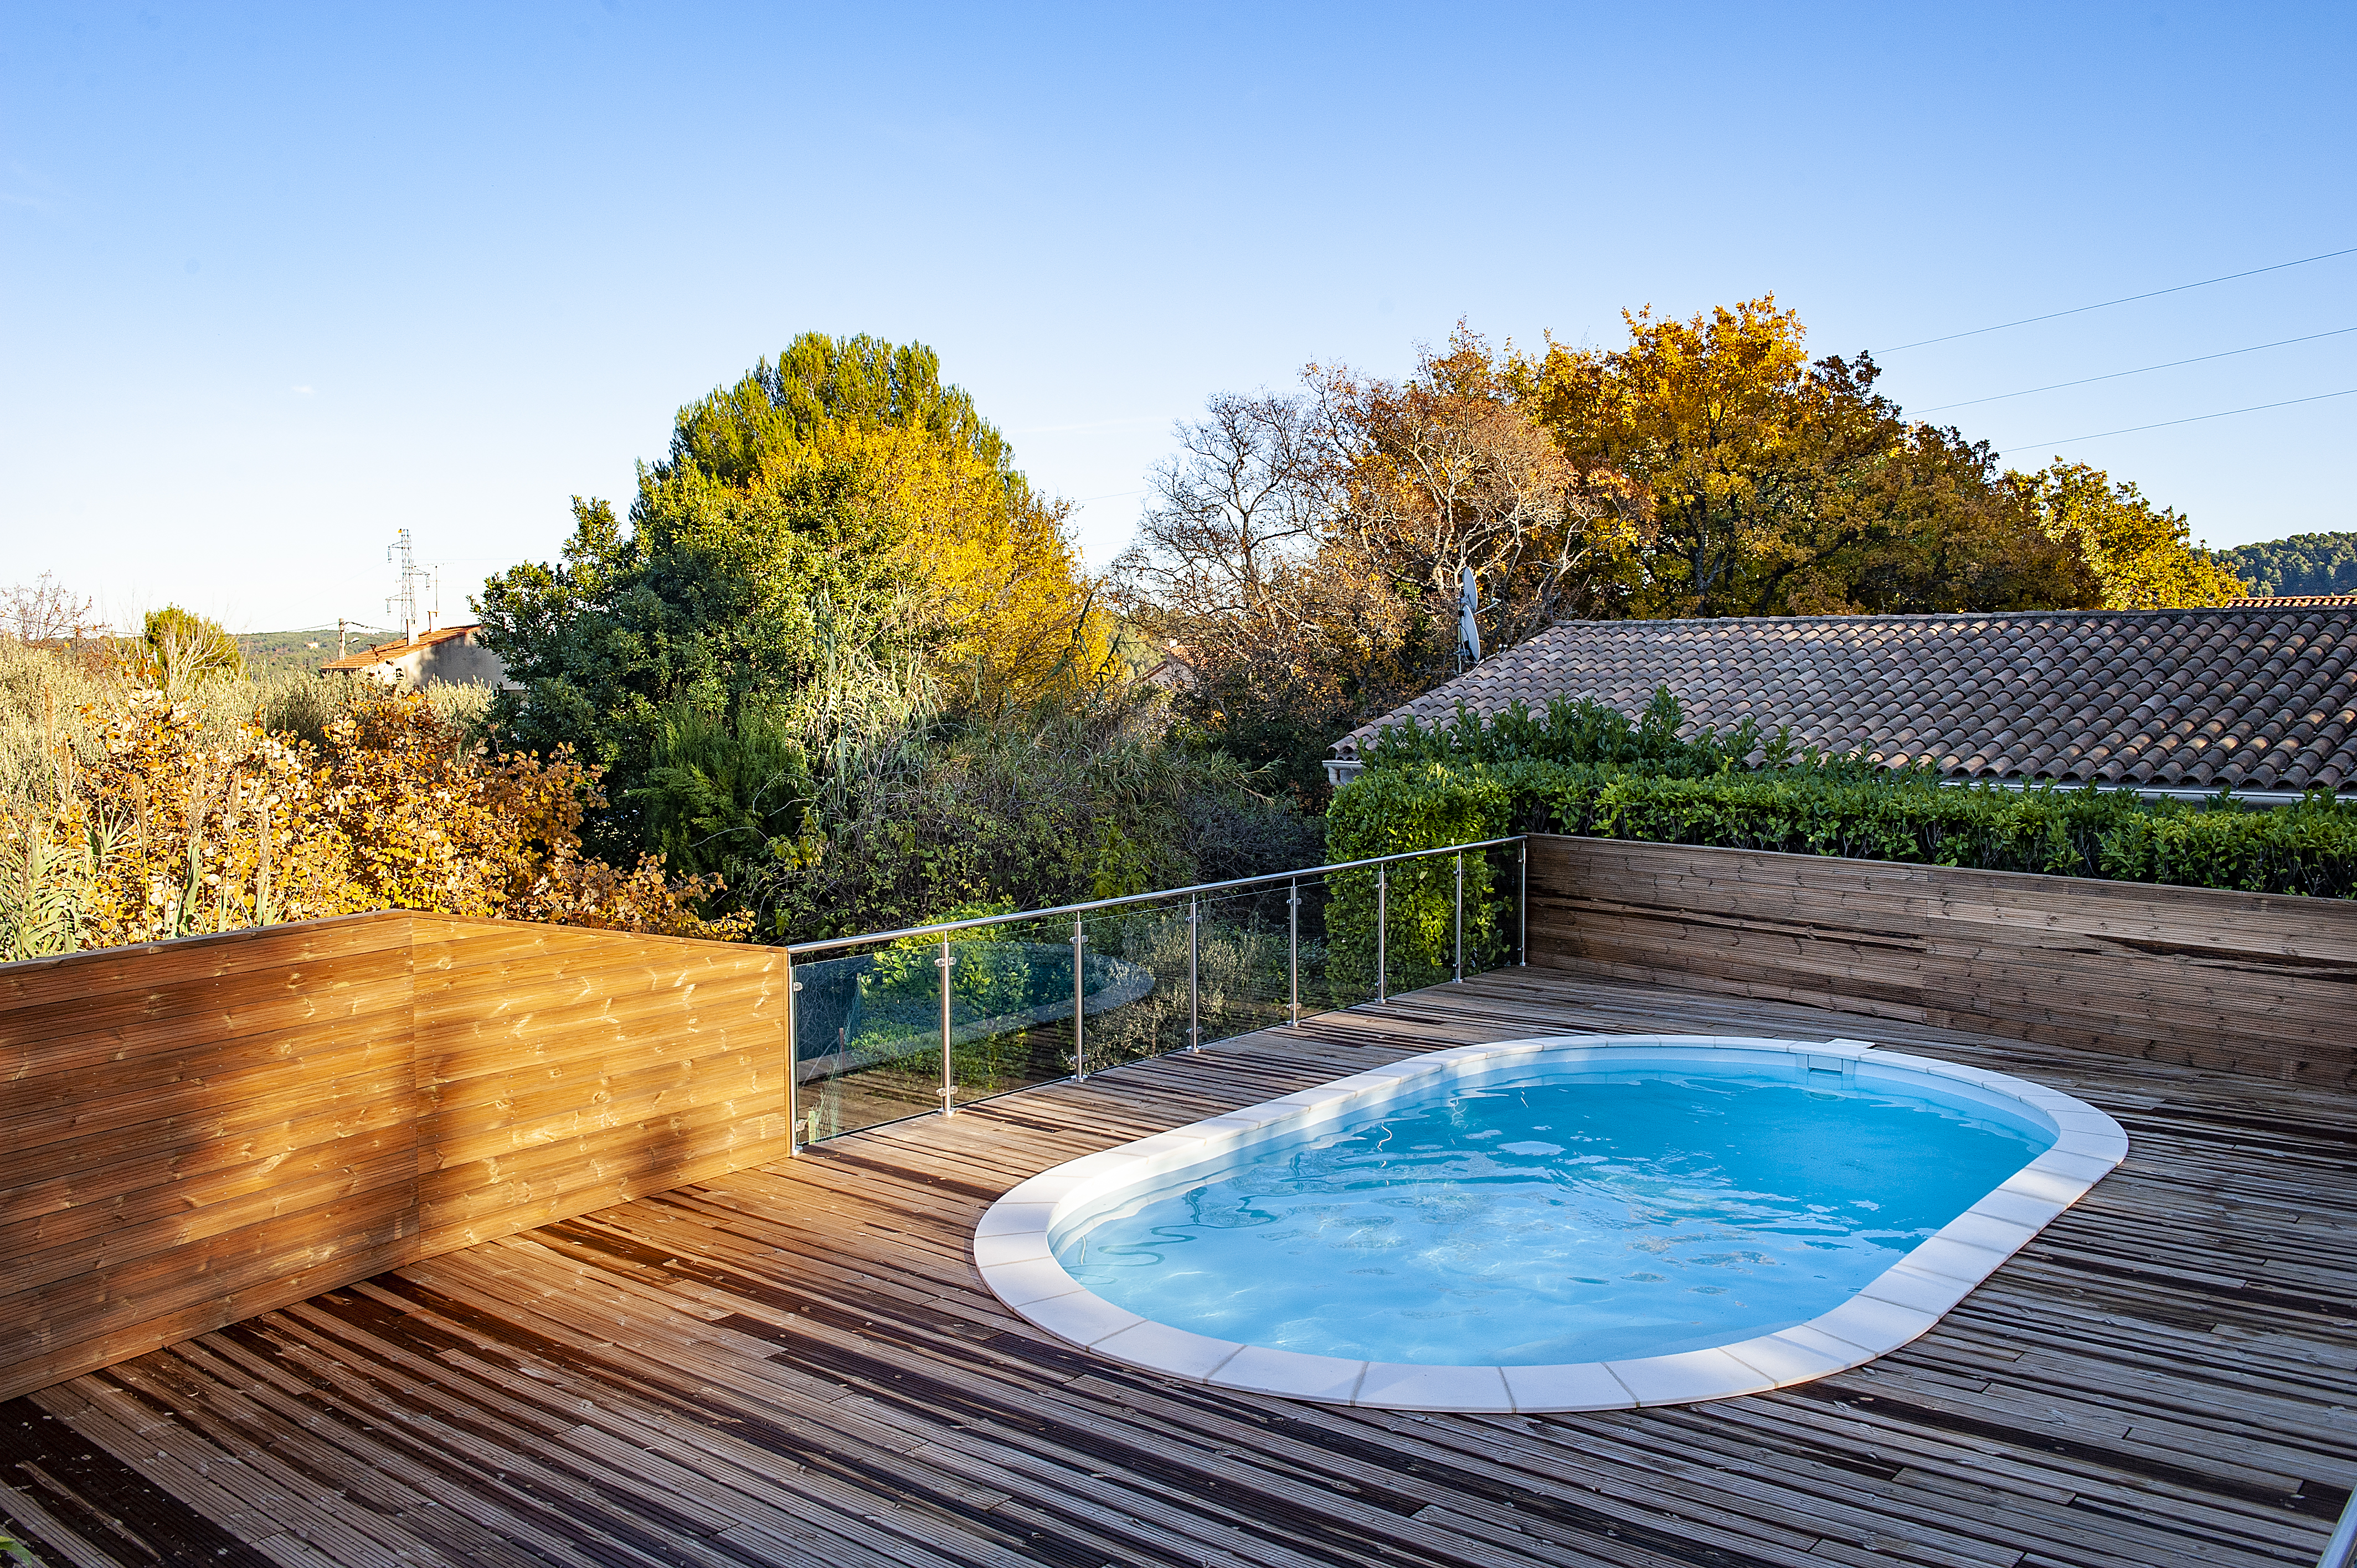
2116, 375
2124, 299
2165, 424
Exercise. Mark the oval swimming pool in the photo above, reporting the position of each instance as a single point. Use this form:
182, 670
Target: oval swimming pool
1571, 1224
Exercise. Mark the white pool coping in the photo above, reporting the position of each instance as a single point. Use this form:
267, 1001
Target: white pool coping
1011, 1245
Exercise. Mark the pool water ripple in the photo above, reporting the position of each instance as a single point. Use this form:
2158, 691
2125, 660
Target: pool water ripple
1565, 1217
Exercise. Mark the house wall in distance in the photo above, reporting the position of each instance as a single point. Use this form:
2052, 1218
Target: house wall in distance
454, 658
460, 661
2247, 982
197, 1131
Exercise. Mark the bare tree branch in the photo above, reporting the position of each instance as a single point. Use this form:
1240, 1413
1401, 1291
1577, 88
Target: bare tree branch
46, 611
1233, 518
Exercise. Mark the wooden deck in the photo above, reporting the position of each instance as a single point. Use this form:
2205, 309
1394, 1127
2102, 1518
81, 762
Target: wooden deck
797, 1365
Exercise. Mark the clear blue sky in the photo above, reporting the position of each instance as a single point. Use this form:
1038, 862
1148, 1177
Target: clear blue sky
275, 281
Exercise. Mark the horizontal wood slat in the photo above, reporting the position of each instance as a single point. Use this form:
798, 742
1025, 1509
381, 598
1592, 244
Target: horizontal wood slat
2248, 982
193, 1132
152, 966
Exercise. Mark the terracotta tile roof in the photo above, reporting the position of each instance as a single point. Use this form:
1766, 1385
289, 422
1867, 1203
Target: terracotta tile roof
385, 652
2258, 698
2290, 601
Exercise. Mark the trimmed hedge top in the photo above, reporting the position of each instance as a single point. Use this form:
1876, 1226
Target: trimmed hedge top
1588, 769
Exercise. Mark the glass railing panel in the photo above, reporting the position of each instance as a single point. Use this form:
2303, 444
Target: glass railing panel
1493, 918
868, 1036
1242, 961
1337, 946
871, 1037
1420, 908
1011, 1006
1136, 972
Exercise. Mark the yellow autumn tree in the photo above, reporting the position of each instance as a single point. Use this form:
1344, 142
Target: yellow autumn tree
835, 552
1778, 484
992, 571
2142, 557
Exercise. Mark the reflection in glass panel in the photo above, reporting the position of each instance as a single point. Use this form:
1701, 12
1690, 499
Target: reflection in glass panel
1011, 1006
1136, 958
867, 1037
1242, 962
868, 1025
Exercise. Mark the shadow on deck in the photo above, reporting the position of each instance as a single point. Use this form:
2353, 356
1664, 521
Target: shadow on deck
798, 1365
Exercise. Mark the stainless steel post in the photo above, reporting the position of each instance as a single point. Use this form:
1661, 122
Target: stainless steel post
1194, 986
949, 1081
1382, 934
2342, 1550
1293, 948
1523, 895
1461, 916
793, 1067
1080, 1056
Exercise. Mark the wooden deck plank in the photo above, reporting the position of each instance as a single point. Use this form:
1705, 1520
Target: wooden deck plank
797, 1364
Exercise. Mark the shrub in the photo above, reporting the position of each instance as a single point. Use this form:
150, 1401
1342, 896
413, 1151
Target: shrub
181, 650
1588, 770
1054, 803
140, 817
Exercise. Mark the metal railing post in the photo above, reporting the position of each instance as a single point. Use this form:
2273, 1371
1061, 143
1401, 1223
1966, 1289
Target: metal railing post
1080, 1053
1522, 898
1461, 916
1293, 949
2342, 1550
949, 1079
1194, 985
1383, 935
793, 1066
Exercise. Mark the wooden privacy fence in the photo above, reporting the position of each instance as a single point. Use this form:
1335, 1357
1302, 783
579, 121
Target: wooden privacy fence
194, 1131
2251, 982
197, 1131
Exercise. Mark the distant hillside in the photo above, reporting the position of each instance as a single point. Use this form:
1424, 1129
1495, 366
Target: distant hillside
2304, 564
270, 652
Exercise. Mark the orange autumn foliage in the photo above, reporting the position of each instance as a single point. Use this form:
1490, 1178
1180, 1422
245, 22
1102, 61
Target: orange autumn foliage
175, 832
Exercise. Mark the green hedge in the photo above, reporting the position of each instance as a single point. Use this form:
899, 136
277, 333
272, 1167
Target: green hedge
1586, 770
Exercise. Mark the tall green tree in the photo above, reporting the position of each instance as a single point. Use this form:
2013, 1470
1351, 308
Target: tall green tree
840, 494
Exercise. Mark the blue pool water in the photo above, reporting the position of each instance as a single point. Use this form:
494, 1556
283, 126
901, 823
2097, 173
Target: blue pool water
1561, 1217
